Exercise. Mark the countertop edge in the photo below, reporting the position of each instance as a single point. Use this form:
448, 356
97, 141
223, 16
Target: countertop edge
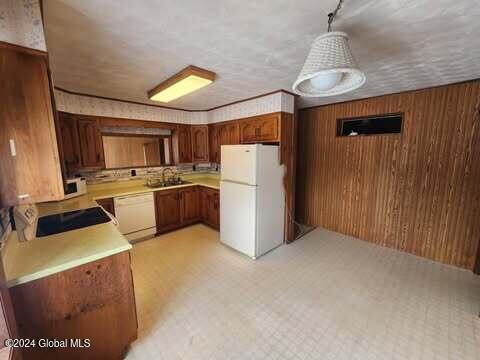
67, 266
147, 190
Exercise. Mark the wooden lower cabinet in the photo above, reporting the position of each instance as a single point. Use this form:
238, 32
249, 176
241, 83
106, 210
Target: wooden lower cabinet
190, 205
8, 324
107, 204
92, 301
177, 208
167, 210
210, 207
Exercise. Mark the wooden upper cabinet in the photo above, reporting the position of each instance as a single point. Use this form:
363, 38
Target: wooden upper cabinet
91, 146
70, 142
29, 160
248, 130
264, 128
167, 210
222, 134
214, 143
183, 144
200, 142
233, 133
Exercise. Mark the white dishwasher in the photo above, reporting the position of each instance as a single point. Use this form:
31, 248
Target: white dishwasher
136, 216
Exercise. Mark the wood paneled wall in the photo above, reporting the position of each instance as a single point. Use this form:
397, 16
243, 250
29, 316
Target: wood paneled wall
128, 151
288, 145
418, 191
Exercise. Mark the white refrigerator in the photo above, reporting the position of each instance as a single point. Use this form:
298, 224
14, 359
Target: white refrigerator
252, 198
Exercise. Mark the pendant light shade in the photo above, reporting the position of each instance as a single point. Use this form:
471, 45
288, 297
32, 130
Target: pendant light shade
330, 68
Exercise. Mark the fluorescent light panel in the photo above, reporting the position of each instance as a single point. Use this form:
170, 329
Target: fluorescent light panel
186, 81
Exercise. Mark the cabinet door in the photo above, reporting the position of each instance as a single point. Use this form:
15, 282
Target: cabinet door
203, 204
29, 160
190, 200
215, 210
211, 207
167, 210
70, 142
264, 128
248, 131
90, 143
184, 144
267, 128
200, 142
233, 133
214, 143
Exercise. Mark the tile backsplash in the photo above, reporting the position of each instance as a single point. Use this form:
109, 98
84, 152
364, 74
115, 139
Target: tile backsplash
99, 176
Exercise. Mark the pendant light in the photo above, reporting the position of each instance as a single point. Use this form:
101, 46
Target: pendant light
330, 68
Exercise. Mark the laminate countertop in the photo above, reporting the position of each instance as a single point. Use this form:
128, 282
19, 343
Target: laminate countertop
41, 257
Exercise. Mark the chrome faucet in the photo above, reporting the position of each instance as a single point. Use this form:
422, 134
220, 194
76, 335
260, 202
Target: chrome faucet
163, 173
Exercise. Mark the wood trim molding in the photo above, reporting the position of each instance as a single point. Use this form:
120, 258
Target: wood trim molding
182, 74
121, 100
169, 107
124, 122
245, 118
23, 49
252, 98
395, 93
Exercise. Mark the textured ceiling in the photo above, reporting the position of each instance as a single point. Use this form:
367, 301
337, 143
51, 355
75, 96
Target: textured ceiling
121, 49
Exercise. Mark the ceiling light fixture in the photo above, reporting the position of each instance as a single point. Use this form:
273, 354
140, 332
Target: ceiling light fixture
330, 68
184, 82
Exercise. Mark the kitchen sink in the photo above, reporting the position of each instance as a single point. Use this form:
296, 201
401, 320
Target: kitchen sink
157, 183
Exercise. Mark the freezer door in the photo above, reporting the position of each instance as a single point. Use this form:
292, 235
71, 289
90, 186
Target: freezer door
238, 216
239, 163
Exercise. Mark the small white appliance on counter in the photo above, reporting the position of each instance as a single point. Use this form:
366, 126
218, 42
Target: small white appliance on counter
75, 187
26, 220
252, 198
136, 216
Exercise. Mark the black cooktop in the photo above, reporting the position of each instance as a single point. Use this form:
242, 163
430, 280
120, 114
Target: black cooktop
72, 220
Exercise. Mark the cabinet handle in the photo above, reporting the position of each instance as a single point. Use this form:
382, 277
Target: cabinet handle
98, 157
23, 196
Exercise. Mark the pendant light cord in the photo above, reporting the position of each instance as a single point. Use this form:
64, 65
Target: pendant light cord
332, 15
